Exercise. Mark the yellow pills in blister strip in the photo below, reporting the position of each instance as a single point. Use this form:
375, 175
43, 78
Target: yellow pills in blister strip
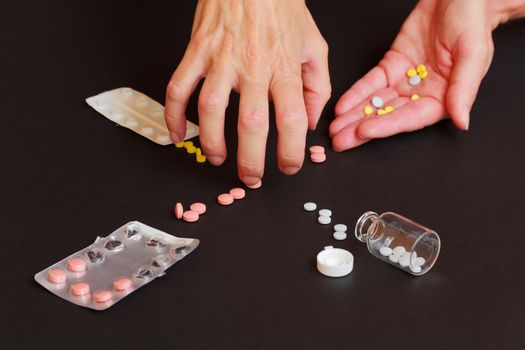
368, 110
411, 72
414, 97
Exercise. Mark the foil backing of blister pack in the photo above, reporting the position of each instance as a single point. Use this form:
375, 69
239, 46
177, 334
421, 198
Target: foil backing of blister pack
134, 251
138, 112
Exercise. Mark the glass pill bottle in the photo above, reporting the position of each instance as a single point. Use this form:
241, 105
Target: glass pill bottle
399, 241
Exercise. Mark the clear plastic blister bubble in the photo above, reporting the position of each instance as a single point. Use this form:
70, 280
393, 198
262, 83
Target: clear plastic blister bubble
138, 112
112, 267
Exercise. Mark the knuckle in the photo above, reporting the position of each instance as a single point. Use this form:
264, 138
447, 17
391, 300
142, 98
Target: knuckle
211, 101
199, 43
254, 55
174, 91
210, 144
253, 119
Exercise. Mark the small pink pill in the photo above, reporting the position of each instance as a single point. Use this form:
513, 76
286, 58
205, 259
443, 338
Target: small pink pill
190, 216
317, 157
316, 149
102, 296
76, 265
238, 193
179, 210
122, 284
200, 208
56, 276
255, 186
225, 199
80, 288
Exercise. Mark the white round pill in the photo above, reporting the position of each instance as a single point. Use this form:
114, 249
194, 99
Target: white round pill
324, 220
310, 206
377, 102
339, 235
404, 259
340, 227
385, 251
414, 80
126, 92
132, 122
394, 258
325, 212
416, 268
420, 261
399, 250
142, 101
115, 115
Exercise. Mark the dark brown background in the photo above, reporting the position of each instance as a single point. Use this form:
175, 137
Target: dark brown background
69, 174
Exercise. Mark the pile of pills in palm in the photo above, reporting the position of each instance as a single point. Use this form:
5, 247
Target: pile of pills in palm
108, 270
317, 154
193, 214
415, 75
399, 255
192, 149
377, 103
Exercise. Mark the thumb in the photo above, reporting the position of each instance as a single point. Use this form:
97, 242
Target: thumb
471, 65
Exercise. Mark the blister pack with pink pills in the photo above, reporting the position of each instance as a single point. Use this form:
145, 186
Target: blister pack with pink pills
108, 270
138, 112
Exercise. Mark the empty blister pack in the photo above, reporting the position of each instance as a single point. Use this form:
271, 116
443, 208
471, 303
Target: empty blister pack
101, 274
138, 112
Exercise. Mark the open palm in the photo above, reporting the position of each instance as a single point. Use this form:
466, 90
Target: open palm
453, 39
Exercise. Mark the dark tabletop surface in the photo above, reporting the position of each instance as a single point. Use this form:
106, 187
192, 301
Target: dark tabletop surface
69, 174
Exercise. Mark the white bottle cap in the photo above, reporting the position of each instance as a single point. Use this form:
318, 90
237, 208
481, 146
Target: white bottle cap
335, 262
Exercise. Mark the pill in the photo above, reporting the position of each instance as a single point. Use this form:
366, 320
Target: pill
324, 220
416, 268
423, 75
411, 72
368, 110
188, 144
102, 296
80, 288
179, 210
385, 251
394, 258
225, 199
126, 92
142, 101
377, 102
316, 149
339, 235
421, 68
163, 138
158, 112
381, 112
340, 227
179, 144
325, 212
132, 122
200, 208
56, 276
255, 186
310, 206
414, 97
76, 265
115, 115
389, 109
238, 193
415, 80
318, 157
420, 261
191, 149
122, 284
404, 259
201, 158
198, 151
147, 130
190, 216
399, 250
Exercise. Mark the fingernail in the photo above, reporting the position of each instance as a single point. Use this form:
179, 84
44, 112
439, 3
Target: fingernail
290, 170
215, 160
250, 180
465, 118
175, 137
